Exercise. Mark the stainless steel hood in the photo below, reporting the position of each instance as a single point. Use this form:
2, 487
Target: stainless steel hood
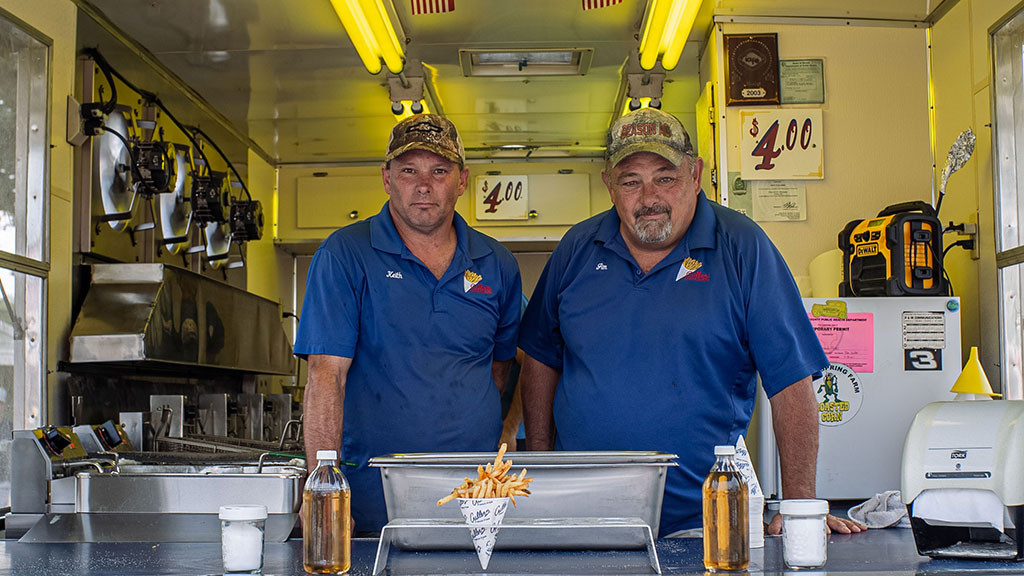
163, 315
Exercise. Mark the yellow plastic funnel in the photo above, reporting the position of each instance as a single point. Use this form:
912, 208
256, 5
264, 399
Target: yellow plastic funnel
972, 379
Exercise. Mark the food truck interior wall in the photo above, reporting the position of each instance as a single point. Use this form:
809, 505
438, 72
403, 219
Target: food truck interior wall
877, 153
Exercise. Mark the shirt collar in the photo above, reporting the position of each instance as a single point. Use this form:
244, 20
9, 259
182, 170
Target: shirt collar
384, 236
700, 234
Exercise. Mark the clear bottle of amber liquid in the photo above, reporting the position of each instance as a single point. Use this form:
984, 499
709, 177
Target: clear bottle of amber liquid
726, 532
326, 532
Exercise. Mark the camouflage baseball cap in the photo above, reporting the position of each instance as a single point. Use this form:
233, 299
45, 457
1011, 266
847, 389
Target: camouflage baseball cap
648, 130
428, 132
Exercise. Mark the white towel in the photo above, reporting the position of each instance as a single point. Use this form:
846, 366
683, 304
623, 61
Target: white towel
882, 511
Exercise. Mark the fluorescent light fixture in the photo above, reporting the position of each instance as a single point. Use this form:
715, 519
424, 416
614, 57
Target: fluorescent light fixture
531, 62
407, 110
666, 29
645, 102
373, 33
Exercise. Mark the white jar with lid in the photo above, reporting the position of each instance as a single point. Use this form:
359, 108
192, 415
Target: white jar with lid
242, 538
804, 533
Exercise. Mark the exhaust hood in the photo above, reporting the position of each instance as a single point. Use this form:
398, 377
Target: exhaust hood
161, 315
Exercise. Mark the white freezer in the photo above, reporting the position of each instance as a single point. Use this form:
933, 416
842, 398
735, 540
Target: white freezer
889, 357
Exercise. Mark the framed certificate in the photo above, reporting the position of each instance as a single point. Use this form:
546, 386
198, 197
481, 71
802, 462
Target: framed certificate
751, 69
802, 81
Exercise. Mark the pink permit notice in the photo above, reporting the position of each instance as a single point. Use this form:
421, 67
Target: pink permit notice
849, 340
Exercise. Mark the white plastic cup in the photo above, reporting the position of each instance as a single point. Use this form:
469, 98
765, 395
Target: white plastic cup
241, 537
804, 534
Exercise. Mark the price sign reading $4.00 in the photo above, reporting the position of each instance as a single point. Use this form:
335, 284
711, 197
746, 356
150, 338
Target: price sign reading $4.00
501, 197
781, 145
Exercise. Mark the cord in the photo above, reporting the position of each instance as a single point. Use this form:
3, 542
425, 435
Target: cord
105, 107
148, 96
199, 131
942, 266
966, 244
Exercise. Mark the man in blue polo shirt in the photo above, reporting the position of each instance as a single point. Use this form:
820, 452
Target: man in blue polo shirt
651, 320
409, 321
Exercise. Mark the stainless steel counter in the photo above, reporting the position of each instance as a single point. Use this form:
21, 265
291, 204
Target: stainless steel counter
875, 552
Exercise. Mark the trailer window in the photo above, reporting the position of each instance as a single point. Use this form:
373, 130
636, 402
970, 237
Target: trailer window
24, 192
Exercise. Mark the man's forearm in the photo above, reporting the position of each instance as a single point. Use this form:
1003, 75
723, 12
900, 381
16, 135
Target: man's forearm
539, 382
794, 419
324, 405
500, 372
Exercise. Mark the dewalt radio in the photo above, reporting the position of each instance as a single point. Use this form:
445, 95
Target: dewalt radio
898, 253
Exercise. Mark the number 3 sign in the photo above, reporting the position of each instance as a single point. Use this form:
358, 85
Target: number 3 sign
501, 197
781, 145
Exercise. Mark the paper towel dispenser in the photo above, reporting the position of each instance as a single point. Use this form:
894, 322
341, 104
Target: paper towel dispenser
963, 479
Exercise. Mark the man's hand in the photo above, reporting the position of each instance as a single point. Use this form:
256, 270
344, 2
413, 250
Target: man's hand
832, 524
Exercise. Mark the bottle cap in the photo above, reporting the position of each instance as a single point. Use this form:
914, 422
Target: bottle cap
326, 454
807, 507
247, 512
725, 450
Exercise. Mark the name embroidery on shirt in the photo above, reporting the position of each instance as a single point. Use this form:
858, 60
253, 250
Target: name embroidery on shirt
690, 270
601, 266
395, 275
471, 283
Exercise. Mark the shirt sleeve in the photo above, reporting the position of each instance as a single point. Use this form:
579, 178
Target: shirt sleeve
329, 320
540, 335
511, 305
783, 344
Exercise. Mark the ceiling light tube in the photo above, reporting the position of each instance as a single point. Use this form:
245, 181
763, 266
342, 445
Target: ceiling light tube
667, 28
650, 44
674, 49
359, 32
383, 33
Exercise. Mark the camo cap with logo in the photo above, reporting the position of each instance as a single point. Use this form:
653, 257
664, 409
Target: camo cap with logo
428, 132
648, 130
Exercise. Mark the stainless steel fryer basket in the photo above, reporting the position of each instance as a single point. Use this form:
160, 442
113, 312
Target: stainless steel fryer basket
566, 485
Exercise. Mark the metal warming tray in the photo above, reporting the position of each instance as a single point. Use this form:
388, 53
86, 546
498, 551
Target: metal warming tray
566, 485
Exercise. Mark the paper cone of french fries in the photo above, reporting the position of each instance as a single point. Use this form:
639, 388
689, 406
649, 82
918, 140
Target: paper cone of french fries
483, 516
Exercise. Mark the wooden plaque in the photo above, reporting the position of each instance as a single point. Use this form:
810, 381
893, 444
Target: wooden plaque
751, 69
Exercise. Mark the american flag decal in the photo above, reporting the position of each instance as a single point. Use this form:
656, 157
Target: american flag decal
592, 4
433, 6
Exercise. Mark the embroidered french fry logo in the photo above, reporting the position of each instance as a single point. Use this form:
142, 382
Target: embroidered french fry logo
689, 265
470, 279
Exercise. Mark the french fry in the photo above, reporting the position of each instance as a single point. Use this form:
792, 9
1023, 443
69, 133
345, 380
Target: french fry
492, 481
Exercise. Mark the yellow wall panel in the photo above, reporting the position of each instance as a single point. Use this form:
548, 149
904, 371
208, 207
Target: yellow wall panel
261, 255
875, 121
951, 58
328, 202
962, 69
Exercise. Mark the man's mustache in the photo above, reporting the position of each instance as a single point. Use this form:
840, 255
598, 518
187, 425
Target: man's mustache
651, 211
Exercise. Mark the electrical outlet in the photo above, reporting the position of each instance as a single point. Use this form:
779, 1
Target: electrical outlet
971, 229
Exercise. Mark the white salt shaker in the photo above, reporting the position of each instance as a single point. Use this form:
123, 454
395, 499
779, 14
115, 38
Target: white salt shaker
804, 534
241, 536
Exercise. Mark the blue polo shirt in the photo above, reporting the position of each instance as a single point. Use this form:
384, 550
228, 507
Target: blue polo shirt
421, 349
667, 360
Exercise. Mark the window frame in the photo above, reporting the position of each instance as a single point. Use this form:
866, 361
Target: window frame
1007, 48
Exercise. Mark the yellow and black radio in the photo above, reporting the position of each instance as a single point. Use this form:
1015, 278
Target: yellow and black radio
899, 253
